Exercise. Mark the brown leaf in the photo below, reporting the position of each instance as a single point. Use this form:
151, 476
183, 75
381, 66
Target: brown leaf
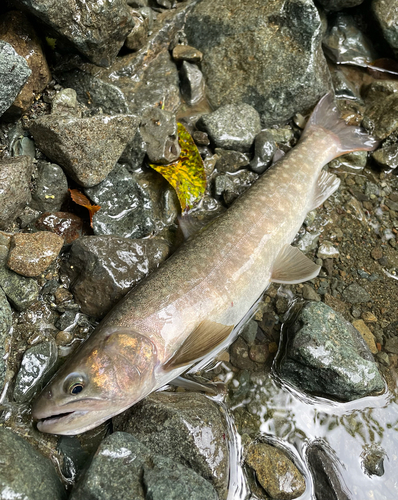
83, 201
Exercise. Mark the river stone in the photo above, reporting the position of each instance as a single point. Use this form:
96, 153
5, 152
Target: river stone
16, 29
5, 325
187, 53
387, 156
327, 250
14, 73
36, 363
264, 150
68, 226
333, 5
233, 126
87, 148
353, 162
276, 473
133, 205
32, 253
97, 30
230, 186
15, 194
102, 269
158, 129
230, 161
327, 355
386, 13
124, 468
24, 472
51, 188
187, 428
20, 291
355, 294
192, 83
138, 35
327, 484
381, 117
250, 54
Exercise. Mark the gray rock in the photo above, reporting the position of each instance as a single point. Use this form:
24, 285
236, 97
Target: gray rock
65, 104
345, 43
15, 194
249, 331
309, 293
138, 35
23, 146
250, 55
188, 428
239, 355
51, 188
24, 472
158, 129
36, 363
187, 53
124, 468
5, 325
87, 148
14, 73
387, 156
133, 156
353, 162
386, 14
102, 269
373, 460
230, 161
327, 250
230, 186
355, 294
98, 31
192, 83
132, 205
308, 241
264, 149
327, 355
333, 5
381, 117
344, 88
20, 291
233, 126
327, 480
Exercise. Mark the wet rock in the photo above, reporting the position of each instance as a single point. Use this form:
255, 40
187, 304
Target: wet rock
259, 353
232, 127
230, 186
132, 205
230, 161
65, 104
327, 480
333, 5
187, 53
239, 355
367, 335
309, 293
387, 156
345, 43
87, 148
66, 225
192, 83
125, 468
25, 473
264, 150
188, 428
353, 162
158, 129
260, 58
201, 138
32, 253
276, 473
327, 355
20, 291
5, 325
138, 35
102, 269
249, 331
15, 193
14, 73
381, 104
97, 31
387, 16
355, 294
373, 460
326, 250
344, 88
51, 188
134, 153
23, 146
308, 241
36, 363
18, 32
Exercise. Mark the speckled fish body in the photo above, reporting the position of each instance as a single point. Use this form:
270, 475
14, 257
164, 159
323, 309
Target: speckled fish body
213, 279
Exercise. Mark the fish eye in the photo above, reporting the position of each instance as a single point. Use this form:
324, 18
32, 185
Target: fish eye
76, 388
74, 384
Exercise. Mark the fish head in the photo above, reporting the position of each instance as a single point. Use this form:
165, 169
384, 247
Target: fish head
108, 374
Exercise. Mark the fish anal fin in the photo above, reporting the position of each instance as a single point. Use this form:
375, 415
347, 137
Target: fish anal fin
326, 185
206, 337
292, 266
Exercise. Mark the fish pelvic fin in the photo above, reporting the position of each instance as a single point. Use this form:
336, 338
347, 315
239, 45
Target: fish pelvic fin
292, 266
347, 138
327, 184
206, 337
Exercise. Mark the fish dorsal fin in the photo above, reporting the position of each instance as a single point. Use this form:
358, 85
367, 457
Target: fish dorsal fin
326, 185
206, 337
292, 266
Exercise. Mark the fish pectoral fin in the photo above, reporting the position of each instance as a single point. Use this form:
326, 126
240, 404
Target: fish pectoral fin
206, 337
292, 266
196, 386
326, 185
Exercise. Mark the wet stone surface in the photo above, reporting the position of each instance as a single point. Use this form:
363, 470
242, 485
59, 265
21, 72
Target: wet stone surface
326, 355
158, 129
20, 291
68, 226
102, 269
5, 325
51, 188
188, 428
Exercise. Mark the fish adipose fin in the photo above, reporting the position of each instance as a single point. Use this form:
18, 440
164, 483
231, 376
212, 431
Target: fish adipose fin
206, 337
347, 138
327, 185
292, 266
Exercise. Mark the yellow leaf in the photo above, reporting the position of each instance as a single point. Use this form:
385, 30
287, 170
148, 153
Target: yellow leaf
187, 173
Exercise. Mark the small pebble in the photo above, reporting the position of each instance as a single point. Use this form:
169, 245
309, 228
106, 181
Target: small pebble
367, 335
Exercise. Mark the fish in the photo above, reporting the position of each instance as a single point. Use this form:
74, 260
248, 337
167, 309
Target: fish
193, 303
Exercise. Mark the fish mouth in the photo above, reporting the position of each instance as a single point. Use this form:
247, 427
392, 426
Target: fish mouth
46, 424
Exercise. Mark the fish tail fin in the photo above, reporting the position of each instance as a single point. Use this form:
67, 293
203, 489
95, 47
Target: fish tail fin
347, 138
